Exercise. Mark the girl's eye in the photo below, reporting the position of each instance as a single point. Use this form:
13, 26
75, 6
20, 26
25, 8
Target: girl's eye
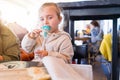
50, 17
41, 19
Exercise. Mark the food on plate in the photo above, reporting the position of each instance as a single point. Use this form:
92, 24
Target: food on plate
38, 73
3, 67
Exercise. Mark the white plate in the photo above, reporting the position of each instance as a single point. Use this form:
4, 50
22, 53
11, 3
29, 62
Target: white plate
15, 64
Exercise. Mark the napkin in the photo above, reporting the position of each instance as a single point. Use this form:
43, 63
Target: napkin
59, 70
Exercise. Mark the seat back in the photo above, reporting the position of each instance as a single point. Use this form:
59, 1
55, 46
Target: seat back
82, 51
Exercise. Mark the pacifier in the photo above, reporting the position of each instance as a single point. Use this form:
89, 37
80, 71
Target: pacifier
45, 29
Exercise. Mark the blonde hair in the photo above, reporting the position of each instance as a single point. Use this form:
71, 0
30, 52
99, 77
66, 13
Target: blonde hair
57, 8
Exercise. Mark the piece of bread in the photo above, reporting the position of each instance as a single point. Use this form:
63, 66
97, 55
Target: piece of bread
38, 73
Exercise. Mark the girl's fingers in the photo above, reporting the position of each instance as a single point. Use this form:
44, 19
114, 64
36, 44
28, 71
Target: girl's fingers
41, 53
35, 33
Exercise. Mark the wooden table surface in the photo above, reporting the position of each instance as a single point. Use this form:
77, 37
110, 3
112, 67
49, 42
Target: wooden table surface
83, 38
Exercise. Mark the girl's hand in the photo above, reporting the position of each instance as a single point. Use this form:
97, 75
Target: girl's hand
42, 53
35, 33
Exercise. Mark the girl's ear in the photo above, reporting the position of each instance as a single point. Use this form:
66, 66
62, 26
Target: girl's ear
60, 18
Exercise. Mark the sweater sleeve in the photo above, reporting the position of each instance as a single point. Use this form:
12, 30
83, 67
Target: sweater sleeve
28, 44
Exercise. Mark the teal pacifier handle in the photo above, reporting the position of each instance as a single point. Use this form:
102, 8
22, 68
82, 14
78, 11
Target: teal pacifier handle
46, 30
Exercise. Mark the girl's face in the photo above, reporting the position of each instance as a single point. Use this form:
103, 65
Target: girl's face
48, 16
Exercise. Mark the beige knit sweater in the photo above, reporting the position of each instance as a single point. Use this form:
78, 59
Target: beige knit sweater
57, 44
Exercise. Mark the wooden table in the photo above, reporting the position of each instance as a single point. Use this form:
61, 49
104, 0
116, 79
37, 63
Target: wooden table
55, 68
83, 38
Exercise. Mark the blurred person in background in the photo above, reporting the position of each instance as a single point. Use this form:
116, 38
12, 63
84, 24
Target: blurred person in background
96, 38
9, 44
96, 32
87, 30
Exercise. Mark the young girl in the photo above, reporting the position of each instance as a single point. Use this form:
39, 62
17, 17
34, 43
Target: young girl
57, 43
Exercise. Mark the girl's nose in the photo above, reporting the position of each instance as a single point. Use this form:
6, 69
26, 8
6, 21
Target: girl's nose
45, 22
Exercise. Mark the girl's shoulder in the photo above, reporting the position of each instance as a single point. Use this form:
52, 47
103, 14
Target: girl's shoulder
65, 34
